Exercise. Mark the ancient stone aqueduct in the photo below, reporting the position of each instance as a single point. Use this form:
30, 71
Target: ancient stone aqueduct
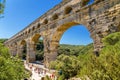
100, 18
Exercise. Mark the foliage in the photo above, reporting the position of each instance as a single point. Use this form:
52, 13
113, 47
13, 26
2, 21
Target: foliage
11, 68
39, 50
75, 50
84, 64
2, 7
39, 55
2, 40
70, 61
47, 78
107, 66
112, 39
62, 77
24, 52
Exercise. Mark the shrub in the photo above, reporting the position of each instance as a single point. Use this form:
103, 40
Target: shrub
11, 68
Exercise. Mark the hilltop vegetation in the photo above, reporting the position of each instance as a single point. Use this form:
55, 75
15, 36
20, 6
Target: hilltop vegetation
71, 59
3, 40
75, 50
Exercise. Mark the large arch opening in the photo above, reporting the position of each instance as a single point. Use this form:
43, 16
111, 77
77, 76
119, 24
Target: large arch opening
72, 35
39, 48
73, 40
23, 50
76, 35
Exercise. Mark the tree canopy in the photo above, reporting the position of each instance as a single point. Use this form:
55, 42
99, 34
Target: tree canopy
84, 64
2, 6
11, 68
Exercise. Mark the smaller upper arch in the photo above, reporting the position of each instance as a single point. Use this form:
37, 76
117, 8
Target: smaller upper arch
45, 21
38, 25
14, 44
33, 28
25, 32
55, 16
29, 30
68, 10
23, 42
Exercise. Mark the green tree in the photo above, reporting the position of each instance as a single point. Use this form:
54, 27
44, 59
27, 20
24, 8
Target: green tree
11, 68
79, 61
3, 40
2, 7
107, 65
40, 51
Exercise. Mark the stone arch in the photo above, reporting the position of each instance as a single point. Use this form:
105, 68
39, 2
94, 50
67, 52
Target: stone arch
45, 21
33, 28
68, 10
22, 42
38, 25
29, 31
54, 41
55, 16
25, 32
38, 45
61, 29
20, 35
22, 49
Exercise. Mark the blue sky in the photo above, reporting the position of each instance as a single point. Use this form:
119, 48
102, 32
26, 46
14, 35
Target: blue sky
20, 13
